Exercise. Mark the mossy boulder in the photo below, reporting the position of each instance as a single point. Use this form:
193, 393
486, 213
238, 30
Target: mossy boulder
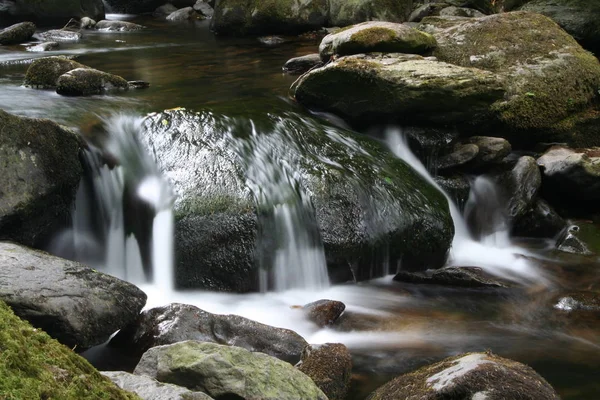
43, 73
39, 175
255, 17
578, 17
330, 366
376, 37
49, 12
219, 370
378, 87
469, 376
212, 164
548, 77
35, 366
88, 81
17, 33
349, 12
71, 302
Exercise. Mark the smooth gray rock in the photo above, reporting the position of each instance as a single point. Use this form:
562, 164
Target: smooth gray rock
461, 154
184, 14
180, 322
17, 33
88, 81
299, 65
87, 23
118, 26
521, 185
204, 8
74, 304
491, 149
60, 35
226, 370
150, 389
330, 366
39, 175
46, 46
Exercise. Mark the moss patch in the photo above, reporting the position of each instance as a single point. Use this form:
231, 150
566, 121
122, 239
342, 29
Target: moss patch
35, 366
44, 72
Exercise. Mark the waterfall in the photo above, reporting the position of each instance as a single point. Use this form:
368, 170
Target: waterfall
491, 249
122, 221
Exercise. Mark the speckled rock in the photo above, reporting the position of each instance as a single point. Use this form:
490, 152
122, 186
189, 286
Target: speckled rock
72, 303
17, 33
180, 322
60, 35
472, 376
43, 73
324, 312
330, 366
578, 301
88, 81
226, 370
87, 23
117, 26
375, 36
150, 389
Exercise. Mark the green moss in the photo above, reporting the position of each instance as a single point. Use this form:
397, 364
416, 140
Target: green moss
44, 72
35, 366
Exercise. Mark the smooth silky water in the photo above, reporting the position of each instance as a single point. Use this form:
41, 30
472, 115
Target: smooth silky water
395, 327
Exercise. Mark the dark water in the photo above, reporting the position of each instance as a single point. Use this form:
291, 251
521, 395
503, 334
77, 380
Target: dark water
189, 67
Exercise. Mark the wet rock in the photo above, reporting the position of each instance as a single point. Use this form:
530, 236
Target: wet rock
471, 277
16, 34
133, 6
578, 301
138, 84
299, 65
184, 14
239, 17
39, 176
164, 10
88, 81
571, 177
216, 214
180, 322
204, 8
531, 110
521, 185
577, 17
150, 389
570, 243
324, 312
491, 149
344, 12
406, 87
43, 73
218, 371
50, 12
540, 221
46, 46
271, 40
60, 35
117, 26
330, 367
87, 23
457, 186
34, 365
474, 376
72, 303
375, 36
461, 154
426, 10
453, 11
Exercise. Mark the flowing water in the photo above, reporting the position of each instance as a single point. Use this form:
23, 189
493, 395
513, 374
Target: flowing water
390, 327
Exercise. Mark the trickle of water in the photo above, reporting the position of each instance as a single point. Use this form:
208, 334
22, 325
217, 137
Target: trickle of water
493, 251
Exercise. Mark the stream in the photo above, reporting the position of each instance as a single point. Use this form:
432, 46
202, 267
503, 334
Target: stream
393, 327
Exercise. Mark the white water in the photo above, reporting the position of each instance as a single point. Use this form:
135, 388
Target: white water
494, 252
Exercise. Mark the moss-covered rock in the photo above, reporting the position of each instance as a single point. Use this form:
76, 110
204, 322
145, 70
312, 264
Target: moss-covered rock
43, 73
255, 17
39, 175
547, 76
376, 37
227, 371
49, 12
578, 17
87, 81
330, 366
336, 178
469, 376
34, 366
374, 87
349, 12
17, 33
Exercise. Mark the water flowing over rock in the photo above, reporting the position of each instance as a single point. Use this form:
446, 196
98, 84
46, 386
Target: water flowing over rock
180, 322
39, 175
43, 73
72, 303
375, 36
45, 46
16, 34
230, 184
88, 81
150, 389
474, 376
330, 366
471, 277
375, 87
49, 12
226, 370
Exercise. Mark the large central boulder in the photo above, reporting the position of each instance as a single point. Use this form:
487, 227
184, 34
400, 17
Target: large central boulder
48, 12
229, 182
